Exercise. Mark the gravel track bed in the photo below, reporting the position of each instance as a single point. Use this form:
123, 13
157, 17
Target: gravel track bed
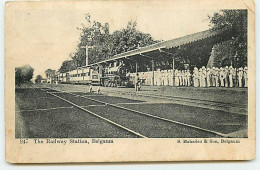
206, 118
148, 126
67, 123
77, 100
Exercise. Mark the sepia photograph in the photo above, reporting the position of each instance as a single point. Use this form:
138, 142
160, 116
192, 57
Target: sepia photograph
91, 72
124, 83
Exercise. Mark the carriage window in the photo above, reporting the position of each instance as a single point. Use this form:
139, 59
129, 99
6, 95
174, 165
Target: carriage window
94, 76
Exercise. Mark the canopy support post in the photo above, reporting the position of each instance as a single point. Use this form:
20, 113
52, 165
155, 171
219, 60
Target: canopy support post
136, 66
153, 72
173, 71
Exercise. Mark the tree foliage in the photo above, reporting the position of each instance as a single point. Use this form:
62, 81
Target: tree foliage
23, 74
105, 44
67, 65
235, 49
50, 73
130, 38
38, 79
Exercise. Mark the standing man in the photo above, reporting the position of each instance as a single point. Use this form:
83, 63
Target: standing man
246, 77
208, 76
230, 76
204, 76
168, 77
200, 77
137, 81
176, 77
213, 76
98, 89
240, 77
235, 77
188, 77
195, 77
221, 77
185, 78
180, 78
158, 77
226, 74
163, 77
217, 76
90, 88
171, 77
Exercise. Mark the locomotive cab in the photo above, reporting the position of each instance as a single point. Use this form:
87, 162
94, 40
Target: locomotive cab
116, 77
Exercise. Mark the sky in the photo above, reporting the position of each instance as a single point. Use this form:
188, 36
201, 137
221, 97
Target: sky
43, 35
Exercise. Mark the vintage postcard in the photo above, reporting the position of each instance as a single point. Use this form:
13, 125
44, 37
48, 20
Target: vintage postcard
129, 81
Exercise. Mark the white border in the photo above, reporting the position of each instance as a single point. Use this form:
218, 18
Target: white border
242, 165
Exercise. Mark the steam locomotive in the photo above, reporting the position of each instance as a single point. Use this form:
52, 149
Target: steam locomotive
113, 75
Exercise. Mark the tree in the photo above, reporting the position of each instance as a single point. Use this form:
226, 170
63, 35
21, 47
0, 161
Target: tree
67, 66
18, 76
23, 74
105, 45
50, 73
38, 79
27, 73
237, 21
92, 34
130, 38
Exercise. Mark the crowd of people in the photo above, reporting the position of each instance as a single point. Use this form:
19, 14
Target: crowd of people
202, 77
213, 77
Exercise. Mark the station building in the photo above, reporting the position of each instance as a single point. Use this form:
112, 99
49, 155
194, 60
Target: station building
155, 64
161, 59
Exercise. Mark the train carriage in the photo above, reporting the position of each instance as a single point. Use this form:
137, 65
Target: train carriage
82, 75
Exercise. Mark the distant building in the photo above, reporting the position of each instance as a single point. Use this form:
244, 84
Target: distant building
51, 76
44, 81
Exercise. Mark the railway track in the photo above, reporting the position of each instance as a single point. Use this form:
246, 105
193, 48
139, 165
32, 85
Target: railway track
158, 119
96, 115
227, 107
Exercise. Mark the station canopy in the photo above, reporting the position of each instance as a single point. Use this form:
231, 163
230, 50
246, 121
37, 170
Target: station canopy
193, 49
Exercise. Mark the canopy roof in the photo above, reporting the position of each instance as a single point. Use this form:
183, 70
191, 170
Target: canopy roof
170, 44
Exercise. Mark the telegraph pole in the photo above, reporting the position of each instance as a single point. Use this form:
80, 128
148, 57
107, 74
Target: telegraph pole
87, 55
